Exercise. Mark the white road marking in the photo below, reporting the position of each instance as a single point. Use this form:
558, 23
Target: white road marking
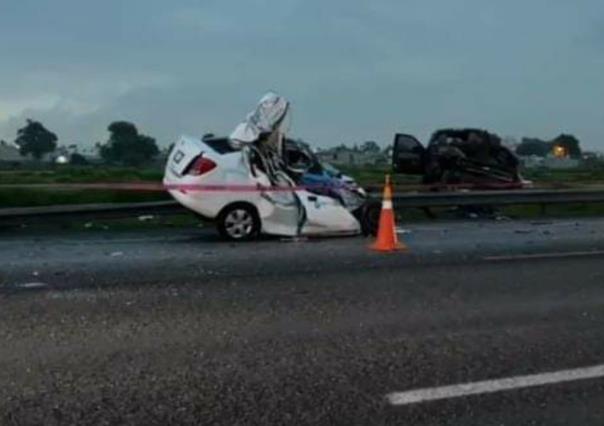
491, 386
546, 255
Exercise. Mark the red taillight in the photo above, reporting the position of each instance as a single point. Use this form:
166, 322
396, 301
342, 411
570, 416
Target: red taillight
201, 166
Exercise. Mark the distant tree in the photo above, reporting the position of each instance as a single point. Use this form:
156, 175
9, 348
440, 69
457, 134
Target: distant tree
533, 146
370, 146
570, 143
35, 139
78, 159
127, 146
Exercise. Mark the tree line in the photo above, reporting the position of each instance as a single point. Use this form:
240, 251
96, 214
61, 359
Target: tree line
125, 146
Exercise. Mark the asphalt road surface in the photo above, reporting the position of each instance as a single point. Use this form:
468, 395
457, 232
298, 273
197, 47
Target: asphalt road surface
175, 327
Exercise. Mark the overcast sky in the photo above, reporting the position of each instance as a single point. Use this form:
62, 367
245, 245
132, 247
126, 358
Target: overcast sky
354, 70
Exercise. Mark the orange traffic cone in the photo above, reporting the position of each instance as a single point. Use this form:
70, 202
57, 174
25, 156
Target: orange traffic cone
387, 239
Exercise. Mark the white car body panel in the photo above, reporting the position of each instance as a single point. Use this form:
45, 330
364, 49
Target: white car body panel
326, 215
232, 181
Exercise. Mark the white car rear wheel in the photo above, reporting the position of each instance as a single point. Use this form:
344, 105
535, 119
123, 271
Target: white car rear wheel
239, 222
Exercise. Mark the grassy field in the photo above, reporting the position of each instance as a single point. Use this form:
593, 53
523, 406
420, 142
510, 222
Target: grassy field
375, 176
546, 178
23, 197
88, 174
571, 178
364, 175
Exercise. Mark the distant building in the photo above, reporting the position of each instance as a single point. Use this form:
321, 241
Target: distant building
62, 153
557, 159
344, 156
9, 154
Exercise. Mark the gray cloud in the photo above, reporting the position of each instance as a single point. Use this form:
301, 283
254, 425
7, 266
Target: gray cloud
354, 70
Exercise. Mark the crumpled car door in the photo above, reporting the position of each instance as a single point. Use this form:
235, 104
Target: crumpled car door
326, 215
280, 208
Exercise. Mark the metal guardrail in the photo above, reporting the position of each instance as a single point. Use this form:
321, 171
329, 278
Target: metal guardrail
401, 200
105, 209
498, 198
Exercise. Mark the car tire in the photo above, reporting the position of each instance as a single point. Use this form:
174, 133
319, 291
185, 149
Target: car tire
370, 220
238, 222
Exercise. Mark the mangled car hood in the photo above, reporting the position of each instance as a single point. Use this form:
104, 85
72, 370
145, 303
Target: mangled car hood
265, 118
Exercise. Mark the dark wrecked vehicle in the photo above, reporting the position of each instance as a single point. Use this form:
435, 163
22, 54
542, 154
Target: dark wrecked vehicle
467, 156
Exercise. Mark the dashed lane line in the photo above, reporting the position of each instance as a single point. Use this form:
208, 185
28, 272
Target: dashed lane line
492, 386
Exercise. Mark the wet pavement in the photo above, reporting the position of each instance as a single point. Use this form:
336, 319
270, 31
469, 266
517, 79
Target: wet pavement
176, 327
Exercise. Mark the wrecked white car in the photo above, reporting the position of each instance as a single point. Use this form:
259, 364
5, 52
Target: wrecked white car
257, 181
